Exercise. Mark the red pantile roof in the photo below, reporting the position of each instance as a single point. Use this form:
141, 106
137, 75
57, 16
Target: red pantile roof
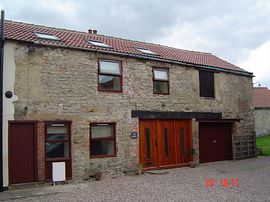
261, 97
75, 39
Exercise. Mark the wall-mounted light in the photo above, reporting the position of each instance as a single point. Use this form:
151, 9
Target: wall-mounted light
8, 94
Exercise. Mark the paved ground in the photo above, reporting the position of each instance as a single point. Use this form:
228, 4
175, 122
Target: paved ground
251, 183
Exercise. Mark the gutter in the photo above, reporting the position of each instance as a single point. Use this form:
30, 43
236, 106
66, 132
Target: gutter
203, 67
267, 108
182, 63
2, 39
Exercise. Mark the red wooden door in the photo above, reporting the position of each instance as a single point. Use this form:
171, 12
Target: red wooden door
21, 152
148, 143
183, 136
215, 142
165, 142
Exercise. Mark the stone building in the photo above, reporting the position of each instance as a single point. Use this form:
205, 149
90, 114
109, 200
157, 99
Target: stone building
97, 101
261, 99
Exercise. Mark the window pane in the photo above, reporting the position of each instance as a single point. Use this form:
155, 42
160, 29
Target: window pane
57, 129
109, 67
161, 74
148, 143
161, 87
57, 132
57, 150
110, 82
105, 147
99, 43
57, 137
146, 51
101, 131
46, 36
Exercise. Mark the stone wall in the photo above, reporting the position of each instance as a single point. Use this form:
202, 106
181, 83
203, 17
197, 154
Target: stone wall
262, 121
61, 84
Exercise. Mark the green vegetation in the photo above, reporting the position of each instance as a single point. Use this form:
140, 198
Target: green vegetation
264, 144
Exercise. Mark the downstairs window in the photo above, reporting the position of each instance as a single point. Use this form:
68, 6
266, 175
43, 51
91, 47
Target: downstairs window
102, 140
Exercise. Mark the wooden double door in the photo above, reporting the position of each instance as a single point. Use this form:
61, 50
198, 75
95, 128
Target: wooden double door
165, 143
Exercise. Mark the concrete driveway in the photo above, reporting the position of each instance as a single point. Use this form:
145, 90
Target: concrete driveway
243, 180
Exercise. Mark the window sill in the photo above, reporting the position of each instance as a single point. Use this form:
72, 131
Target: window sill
161, 93
208, 98
110, 91
58, 159
101, 156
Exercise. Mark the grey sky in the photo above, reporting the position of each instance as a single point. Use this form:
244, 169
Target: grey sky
238, 31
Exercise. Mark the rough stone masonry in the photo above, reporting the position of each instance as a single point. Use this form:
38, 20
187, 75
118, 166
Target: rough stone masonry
61, 84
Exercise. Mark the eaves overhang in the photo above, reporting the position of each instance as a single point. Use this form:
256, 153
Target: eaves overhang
145, 57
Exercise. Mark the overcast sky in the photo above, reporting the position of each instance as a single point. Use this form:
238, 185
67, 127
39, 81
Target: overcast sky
237, 31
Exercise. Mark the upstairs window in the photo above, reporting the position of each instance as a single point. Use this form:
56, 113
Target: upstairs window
110, 76
161, 81
99, 43
102, 140
207, 87
46, 36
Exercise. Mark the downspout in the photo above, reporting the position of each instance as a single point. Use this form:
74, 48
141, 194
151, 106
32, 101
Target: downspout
1, 97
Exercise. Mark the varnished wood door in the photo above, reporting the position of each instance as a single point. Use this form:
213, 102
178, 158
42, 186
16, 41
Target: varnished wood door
21, 152
182, 129
165, 142
148, 143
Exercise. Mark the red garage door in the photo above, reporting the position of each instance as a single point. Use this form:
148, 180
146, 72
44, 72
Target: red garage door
215, 142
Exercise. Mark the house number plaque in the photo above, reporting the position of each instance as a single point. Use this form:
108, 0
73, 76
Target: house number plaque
134, 135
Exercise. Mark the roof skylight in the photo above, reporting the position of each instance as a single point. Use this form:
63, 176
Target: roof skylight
46, 36
99, 43
146, 51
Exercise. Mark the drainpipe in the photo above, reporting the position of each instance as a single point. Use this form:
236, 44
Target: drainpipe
1, 97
